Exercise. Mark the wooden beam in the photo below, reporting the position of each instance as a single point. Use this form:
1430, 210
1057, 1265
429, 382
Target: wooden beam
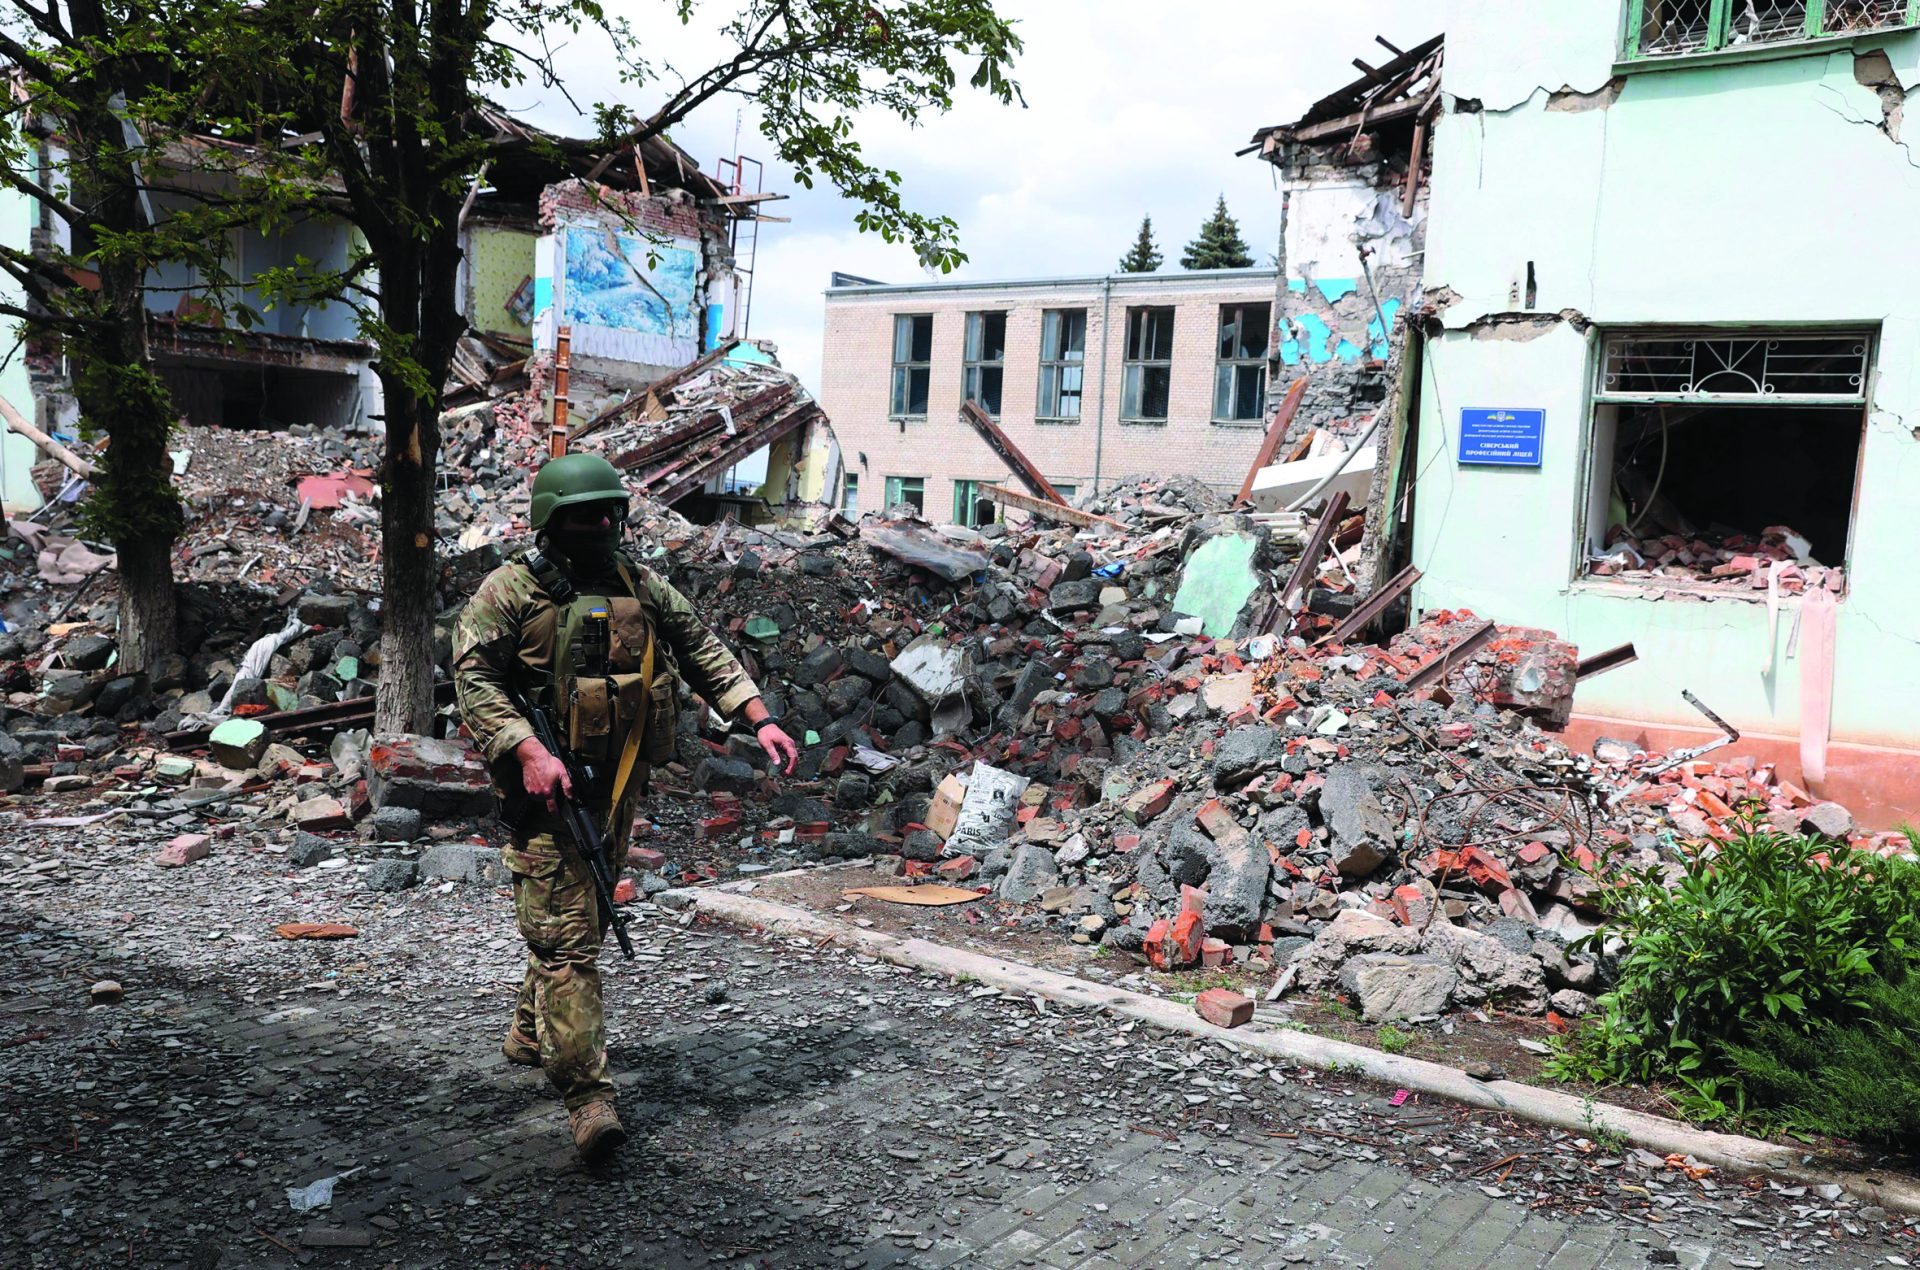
18, 423
677, 439
738, 447
1054, 511
1282, 420
658, 387
1009, 452
1359, 118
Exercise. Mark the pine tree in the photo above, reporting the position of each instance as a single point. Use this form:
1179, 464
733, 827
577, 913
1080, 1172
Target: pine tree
1219, 245
1145, 256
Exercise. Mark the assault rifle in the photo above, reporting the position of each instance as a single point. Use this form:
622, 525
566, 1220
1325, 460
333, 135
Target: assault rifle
587, 838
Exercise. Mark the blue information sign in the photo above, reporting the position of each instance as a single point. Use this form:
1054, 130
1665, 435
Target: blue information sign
1502, 437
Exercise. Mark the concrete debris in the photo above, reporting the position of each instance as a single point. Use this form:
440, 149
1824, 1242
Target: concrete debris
1133, 731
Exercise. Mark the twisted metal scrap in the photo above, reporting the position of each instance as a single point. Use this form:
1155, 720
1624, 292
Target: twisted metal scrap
1549, 807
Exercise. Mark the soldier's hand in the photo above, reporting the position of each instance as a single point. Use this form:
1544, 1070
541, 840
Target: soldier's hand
541, 774
779, 746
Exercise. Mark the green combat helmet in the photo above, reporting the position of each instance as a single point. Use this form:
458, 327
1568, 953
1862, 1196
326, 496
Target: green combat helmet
571, 479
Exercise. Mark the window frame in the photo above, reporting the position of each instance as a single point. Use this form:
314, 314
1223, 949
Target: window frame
1720, 26
971, 487
1599, 399
903, 371
849, 485
1060, 365
1130, 364
973, 367
894, 491
1256, 362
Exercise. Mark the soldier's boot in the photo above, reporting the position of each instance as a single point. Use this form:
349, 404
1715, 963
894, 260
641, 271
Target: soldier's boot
521, 1048
596, 1130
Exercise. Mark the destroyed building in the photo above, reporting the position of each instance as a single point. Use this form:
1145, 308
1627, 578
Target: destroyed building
1613, 421
1353, 200
1093, 379
633, 256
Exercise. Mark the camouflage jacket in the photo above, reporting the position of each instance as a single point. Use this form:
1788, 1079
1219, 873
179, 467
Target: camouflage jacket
505, 637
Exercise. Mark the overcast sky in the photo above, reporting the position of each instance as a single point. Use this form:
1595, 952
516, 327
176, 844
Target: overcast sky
1134, 107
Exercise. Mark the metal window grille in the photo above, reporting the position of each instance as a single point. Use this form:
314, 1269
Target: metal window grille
1864, 15
1063, 352
1675, 26
1147, 383
912, 364
984, 364
1748, 368
1665, 28
1765, 21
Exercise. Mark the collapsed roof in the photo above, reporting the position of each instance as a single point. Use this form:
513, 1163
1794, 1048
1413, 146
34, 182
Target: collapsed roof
1392, 98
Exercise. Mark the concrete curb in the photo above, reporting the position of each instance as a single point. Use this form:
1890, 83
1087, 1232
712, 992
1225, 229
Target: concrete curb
1662, 1136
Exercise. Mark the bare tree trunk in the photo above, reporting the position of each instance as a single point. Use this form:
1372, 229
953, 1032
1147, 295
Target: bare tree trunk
133, 502
409, 572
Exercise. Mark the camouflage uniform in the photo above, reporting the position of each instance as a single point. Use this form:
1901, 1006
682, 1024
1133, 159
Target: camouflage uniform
505, 637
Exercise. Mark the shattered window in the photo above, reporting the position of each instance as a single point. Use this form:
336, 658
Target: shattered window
1240, 377
1666, 28
911, 490
1063, 352
1148, 379
912, 364
1864, 15
850, 494
1727, 462
1761, 21
985, 360
971, 507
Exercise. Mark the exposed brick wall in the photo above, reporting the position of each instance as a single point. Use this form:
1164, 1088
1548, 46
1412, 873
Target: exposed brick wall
856, 374
1342, 392
671, 212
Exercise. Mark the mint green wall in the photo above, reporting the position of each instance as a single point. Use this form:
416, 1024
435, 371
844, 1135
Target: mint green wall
1760, 193
17, 454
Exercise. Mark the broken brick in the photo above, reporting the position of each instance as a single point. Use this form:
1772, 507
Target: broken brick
1224, 1007
183, 851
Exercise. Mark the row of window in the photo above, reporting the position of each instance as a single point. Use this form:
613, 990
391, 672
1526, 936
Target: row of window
1669, 28
970, 505
1240, 367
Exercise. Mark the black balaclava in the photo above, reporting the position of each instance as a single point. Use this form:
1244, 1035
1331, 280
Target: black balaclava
589, 550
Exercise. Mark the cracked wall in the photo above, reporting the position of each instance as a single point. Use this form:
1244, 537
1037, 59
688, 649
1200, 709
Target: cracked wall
1330, 324
1777, 193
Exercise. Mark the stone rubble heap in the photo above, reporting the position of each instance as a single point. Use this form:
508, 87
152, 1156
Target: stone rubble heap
1116, 724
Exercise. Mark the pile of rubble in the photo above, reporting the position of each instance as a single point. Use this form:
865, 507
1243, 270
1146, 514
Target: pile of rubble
1779, 556
1154, 727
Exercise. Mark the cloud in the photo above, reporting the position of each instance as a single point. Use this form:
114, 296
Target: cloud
1134, 107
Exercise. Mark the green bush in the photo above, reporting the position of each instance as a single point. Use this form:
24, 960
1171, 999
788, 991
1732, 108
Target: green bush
1853, 1079
1769, 929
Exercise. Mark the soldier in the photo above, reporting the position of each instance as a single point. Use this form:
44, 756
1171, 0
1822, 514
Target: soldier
601, 639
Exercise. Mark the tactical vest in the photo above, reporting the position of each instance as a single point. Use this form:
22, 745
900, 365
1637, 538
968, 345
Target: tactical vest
611, 695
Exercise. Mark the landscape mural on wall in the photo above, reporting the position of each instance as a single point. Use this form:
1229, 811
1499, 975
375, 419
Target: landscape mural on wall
609, 284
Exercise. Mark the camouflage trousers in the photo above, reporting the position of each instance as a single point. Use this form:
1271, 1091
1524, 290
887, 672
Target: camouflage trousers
559, 917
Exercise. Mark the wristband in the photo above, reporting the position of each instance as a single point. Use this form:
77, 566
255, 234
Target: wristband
768, 722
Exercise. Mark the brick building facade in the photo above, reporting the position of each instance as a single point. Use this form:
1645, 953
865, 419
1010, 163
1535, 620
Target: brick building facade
1096, 379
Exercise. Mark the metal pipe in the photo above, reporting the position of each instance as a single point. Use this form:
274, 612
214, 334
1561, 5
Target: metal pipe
1341, 466
1100, 408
